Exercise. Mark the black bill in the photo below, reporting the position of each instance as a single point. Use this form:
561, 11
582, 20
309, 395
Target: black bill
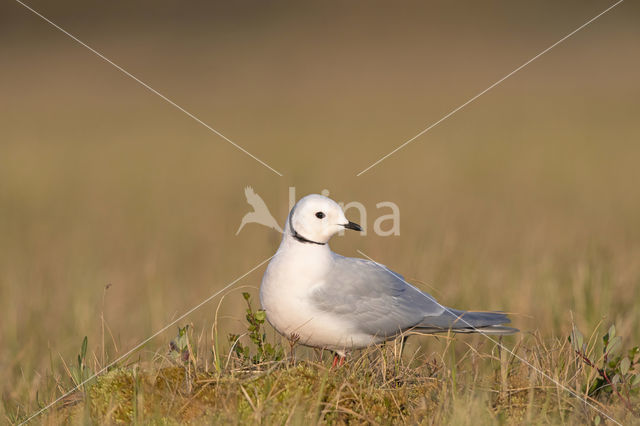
353, 226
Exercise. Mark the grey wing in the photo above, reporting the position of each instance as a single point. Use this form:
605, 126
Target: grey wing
374, 299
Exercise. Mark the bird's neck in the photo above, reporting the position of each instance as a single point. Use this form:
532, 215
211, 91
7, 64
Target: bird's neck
308, 262
295, 243
304, 240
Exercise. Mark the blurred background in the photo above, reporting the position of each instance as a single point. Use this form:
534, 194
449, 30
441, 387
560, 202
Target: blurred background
525, 201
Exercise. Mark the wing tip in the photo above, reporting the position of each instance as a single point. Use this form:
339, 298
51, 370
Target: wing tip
499, 329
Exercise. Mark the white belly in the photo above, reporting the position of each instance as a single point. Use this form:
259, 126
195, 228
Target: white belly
291, 313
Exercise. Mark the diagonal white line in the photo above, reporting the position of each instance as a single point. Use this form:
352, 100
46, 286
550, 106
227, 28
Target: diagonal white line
151, 89
461, 318
139, 345
490, 87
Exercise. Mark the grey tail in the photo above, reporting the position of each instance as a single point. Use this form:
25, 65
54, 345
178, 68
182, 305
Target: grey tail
467, 322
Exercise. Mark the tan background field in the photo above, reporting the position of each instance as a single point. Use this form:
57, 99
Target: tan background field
527, 200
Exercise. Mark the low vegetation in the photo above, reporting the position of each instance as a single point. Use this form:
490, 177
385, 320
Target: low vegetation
575, 380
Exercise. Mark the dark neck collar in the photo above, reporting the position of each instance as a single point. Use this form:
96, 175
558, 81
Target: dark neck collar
299, 237
302, 239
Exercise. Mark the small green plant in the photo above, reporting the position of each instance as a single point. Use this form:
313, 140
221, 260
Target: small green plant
618, 373
81, 372
265, 351
179, 347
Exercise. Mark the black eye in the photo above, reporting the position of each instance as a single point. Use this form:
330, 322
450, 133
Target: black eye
319, 215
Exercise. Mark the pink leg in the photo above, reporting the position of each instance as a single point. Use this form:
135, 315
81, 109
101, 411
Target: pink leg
337, 361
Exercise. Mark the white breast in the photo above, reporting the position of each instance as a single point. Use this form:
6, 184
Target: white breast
285, 296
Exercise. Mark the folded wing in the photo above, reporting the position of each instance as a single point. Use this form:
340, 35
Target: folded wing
380, 302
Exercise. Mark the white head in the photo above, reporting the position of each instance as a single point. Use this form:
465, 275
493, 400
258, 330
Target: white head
315, 219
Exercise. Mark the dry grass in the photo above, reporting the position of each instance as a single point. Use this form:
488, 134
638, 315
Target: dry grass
379, 385
526, 201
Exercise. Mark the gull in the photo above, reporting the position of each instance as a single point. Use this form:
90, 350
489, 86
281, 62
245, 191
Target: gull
322, 299
260, 213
